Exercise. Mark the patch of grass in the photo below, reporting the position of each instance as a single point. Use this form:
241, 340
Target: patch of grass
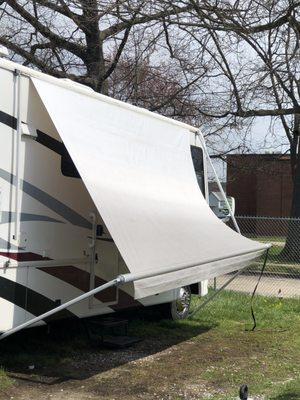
282, 264
277, 264
5, 381
263, 358
231, 354
287, 391
269, 239
274, 268
213, 348
229, 306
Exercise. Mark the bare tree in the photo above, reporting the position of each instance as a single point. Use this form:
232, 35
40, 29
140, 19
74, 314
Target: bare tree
255, 50
76, 38
116, 47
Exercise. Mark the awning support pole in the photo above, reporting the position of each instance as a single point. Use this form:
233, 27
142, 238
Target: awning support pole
17, 152
55, 310
202, 305
199, 134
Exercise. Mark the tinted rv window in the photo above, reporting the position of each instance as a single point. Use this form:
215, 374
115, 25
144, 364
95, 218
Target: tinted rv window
197, 157
67, 166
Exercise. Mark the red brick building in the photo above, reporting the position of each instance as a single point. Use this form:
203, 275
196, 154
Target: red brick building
260, 183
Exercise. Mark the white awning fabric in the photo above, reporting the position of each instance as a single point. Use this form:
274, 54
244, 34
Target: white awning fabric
138, 169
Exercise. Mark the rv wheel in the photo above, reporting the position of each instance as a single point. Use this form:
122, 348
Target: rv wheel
180, 307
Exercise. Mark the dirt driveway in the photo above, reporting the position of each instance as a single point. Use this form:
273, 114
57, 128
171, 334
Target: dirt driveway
145, 371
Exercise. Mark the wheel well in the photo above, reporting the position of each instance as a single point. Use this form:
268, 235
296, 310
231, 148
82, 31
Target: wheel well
194, 288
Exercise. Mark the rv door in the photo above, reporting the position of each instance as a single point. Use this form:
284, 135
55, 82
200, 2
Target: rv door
104, 266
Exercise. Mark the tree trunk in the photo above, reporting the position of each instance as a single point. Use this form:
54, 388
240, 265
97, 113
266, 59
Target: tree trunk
291, 251
94, 60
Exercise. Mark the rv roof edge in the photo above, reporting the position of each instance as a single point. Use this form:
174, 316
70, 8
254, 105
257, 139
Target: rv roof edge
45, 263
79, 88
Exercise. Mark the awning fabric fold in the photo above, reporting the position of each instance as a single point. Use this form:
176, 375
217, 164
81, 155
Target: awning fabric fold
139, 172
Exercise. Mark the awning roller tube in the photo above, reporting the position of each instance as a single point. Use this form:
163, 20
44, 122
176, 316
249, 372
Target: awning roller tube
144, 275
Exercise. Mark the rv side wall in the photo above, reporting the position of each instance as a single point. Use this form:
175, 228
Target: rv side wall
47, 214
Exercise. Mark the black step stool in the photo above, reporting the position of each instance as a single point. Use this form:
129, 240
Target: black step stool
106, 333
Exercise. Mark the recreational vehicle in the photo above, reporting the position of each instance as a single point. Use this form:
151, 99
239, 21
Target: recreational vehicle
92, 189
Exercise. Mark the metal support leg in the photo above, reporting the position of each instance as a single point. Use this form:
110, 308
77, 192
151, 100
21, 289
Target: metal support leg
215, 293
215, 284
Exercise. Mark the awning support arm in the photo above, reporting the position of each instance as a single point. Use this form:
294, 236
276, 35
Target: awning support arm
199, 134
55, 310
202, 305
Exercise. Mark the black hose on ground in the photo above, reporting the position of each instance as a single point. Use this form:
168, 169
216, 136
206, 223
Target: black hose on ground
243, 392
254, 291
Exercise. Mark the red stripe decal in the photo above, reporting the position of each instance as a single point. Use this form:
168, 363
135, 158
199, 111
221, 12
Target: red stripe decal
23, 256
81, 280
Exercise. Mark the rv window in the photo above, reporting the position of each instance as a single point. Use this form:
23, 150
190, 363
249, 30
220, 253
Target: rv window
67, 166
197, 157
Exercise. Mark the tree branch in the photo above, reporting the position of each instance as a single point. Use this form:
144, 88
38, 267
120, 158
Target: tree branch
120, 26
46, 32
114, 63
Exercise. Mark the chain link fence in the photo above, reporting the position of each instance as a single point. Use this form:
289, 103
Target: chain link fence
281, 276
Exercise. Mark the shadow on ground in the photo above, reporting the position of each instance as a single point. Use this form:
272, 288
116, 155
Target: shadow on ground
62, 351
291, 395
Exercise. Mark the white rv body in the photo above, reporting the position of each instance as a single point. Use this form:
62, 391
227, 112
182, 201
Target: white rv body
53, 243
